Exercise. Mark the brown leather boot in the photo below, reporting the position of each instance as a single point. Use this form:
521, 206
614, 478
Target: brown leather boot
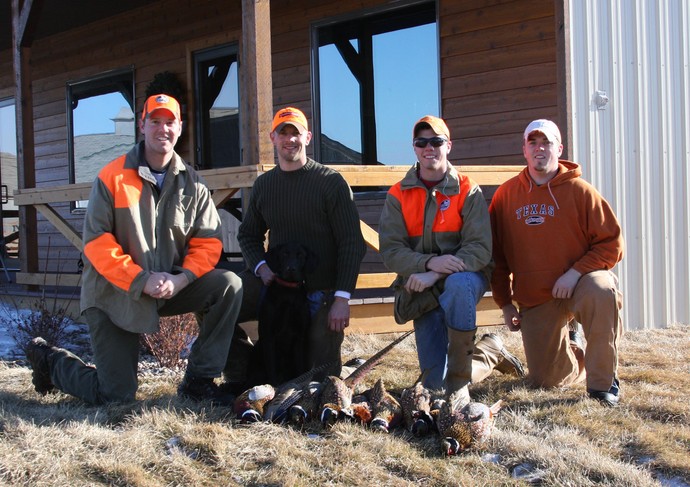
495, 356
459, 374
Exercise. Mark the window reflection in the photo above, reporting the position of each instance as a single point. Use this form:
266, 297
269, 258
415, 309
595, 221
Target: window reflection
217, 101
9, 221
104, 129
376, 76
101, 123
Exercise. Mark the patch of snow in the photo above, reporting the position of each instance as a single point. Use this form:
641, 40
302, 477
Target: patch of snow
491, 458
527, 473
10, 350
671, 482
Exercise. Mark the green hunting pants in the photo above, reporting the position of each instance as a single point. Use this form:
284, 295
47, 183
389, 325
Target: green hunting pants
215, 298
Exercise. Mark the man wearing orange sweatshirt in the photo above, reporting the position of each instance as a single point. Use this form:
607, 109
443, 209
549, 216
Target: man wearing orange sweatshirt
555, 241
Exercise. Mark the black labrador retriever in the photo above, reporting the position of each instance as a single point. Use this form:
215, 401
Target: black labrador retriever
282, 351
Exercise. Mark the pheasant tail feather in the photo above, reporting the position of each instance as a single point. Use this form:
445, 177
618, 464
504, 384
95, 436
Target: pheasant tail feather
360, 372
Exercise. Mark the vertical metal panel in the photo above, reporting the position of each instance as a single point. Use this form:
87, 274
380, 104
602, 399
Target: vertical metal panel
635, 148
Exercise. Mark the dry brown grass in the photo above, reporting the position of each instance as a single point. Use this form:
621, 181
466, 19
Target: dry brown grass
559, 436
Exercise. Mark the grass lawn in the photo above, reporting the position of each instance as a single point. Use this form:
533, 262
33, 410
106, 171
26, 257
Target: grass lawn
546, 437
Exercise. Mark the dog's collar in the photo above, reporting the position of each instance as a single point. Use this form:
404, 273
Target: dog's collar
284, 283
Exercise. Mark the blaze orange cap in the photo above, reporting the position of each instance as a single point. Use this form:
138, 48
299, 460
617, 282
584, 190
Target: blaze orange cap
292, 116
436, 124
158, 102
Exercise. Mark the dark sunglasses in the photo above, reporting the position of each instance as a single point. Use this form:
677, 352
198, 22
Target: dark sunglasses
422, 142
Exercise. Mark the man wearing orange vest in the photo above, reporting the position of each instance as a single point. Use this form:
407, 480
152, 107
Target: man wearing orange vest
152, 238
435, 234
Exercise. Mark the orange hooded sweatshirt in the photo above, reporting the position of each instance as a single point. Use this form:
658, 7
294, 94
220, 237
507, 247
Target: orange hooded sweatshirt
540, 232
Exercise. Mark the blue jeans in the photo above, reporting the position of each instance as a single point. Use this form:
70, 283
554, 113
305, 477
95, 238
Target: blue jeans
457, 310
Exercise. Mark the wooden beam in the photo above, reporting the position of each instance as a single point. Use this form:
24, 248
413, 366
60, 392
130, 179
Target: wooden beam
62, 225
234, 178
53, 194
28, 19
220, 196
47, 279
371, 236
374, 281
377, 317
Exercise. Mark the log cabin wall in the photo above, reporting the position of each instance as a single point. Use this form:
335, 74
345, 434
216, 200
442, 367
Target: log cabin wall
153, 39
498, 72
497, 64
6, 74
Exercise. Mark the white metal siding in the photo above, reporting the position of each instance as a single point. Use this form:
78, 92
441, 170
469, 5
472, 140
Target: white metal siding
636, 148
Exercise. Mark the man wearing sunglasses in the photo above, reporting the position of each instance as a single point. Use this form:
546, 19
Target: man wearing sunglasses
436, 235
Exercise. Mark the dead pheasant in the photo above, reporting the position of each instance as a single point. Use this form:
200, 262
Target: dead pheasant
336, 397
470, 426
249, 406
416, 404
385, 409
306, 406
361, 409
290, 393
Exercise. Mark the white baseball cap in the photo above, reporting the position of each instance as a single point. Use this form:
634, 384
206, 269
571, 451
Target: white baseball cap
546, 127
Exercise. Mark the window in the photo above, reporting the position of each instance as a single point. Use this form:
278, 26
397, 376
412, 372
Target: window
101, 123
217, 108
375, 75
9, 221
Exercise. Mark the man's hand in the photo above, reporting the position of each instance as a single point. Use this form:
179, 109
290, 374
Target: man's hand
446, 264
339, 314
565, 285
163, 285
266, 274
417, 283
511, 317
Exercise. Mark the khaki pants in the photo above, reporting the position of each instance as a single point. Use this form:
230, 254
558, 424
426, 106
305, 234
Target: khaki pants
595, 304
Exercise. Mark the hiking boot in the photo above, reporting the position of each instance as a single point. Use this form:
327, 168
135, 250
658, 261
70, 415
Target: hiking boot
204, 389
607, 398
509, 363
604, 397
37, 352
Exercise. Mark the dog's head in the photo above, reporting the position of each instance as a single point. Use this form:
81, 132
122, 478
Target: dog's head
291, 261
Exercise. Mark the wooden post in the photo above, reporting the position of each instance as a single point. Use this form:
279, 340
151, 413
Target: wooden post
256, 86
256, 83
24, 19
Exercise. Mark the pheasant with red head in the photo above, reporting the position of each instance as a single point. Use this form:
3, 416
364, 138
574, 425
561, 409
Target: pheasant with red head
336, 396
249, 406
468, 426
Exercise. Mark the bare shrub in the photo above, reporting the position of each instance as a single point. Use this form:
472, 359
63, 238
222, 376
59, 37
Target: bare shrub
50, 322
42, 320
169, 344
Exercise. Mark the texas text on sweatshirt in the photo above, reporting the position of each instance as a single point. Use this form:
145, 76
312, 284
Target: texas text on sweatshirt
542, 231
